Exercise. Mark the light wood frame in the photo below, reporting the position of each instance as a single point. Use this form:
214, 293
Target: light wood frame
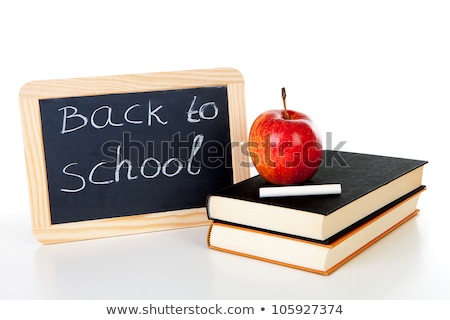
32, 92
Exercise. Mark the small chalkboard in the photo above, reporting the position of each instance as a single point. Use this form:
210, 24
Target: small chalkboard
109, 156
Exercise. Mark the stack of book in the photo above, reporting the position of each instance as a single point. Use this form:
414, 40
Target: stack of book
318, 233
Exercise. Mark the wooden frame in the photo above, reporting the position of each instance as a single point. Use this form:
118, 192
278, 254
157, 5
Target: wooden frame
32, 92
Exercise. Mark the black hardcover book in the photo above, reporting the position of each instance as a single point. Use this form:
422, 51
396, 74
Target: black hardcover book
370, 184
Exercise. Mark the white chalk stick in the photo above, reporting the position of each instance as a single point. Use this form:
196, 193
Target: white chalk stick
308, 190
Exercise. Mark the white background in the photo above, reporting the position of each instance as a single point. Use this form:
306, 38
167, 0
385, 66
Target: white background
374, 73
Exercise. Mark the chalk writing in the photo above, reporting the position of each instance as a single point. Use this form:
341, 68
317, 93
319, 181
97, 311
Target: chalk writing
202, 111
131, 174
71, 113
122, 148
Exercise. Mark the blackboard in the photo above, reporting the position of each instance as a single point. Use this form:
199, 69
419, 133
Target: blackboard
139, 155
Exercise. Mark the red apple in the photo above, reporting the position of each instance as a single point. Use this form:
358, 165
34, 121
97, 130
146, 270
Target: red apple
285, 146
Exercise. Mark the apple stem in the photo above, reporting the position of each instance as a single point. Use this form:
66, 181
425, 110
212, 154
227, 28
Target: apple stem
283, 95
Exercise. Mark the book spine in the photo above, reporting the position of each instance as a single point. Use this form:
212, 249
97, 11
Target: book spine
208, 235
208, 208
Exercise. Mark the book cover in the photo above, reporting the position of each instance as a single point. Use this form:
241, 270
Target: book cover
309, 255
369, 182
346, 230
